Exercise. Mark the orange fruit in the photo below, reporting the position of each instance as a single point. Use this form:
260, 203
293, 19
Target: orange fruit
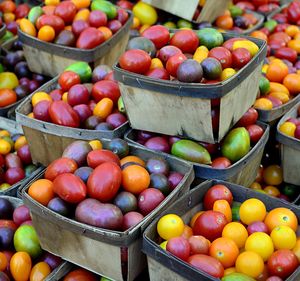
283, 237
292, 82
249, 263
20, 266
277, 71
284, 97
156, 63
229, 270
103, 108
27, 27
259, 34
170, 226
223, 207
3, 261
42, 191
40, 271
106, 32
52, 2
292, 30
65, 97
9, 17
295, 44
272, 190
281, 216
135, 179
225, 251
4, 133
39, 96
132, 159
297, 36
252, 210
46, 33
95, 144
81, 4
136, 23
5, 147
187, 232
272, 175
224, 22
288, 128
256, 185
194, 217
20, 142
237, 232
82, 15
278, 87
263, 103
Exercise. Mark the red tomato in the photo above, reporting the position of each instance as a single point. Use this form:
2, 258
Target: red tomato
106, 89
68, 79
137, 61
210, 225
69, 188
207, 264
9, 224
249, 118
60, 166
7, 97
287, 53
255, 132
78, 94
228, 44
90, 38
282, 263
41, 111
174, 62
281, 36
97, 19
258, 3
223, 55
99, 156
114, 26
122, 16
57, 94
168, 51
274, 278
104, 182
158, 34
240, 57
216, 192
66, 10
56, 22
22, 11
63, 114
199, 245
179, 247
186, 40
80, 275
293, 12
221, 163
78, 26
125, 4
158, 73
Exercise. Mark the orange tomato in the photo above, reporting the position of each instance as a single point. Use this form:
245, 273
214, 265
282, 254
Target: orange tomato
272, 175
81, 4
283, 97
4, 133
52, 2
103, 108
95, 144
292, 30
277, 71
283, 237
156, 63
256, 185
106, 32
20, 142
278, 87
272, 190
224, 22
225, 250
170, 226
7, 97
27, 27
297, 36
250, 263
3, 261
20, 266
5, 147
281, 216
68, 27
259, 34
135, 179
49, 10
263, 103
223, 207
187, 232
136, 23
46, 33
295, 44
42, 191
8, 6
40, 271
237, 232
292, 82
9, 17
39, 96
252, 210
82, 15
65, 97
133, 159
143, 28
194, 218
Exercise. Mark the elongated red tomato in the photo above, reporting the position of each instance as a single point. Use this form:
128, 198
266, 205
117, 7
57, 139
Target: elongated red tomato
137, 61
90, 38
80, 275
60, 166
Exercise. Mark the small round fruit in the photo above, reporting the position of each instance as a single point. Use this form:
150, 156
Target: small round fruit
249, 263
169, 226
237, 232
179, 247
252, 210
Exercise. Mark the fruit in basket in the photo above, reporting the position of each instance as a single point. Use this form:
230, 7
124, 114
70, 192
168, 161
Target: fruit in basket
80, 274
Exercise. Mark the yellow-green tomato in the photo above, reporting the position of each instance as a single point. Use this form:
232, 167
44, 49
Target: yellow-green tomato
8, 80
145, 13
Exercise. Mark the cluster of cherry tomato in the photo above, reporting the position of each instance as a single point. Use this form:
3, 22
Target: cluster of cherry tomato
291, 127
261, 6
234, 239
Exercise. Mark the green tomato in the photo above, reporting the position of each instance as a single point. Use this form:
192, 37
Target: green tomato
8, 80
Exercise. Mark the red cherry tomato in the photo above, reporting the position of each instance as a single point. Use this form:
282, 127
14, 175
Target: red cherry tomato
137, 61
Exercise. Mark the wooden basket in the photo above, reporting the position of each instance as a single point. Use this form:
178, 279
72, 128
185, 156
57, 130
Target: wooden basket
184, 109
242, 172
164, 266
51, 59
47, 141
289, 151
15, 128
97, 249
58, 273
211, 10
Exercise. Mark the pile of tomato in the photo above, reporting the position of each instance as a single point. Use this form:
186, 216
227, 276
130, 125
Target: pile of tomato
291, 127
262, 6
234, 239
80, 24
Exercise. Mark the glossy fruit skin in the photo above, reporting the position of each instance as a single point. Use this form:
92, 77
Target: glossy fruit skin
63, 114
137, 61
282, 263
186, 40
68, 79
60, 166
20, 266
79, 26
198, 245
179, 247
220, 163
69, 188
90, 38
41, 111
78, 94
255, 132
223, 55
207, 264
210, 225
40, 271
97, 157
7, 97
158, 34
240, 57
131, 219
249, 118
14, 175
66, 11
217, 192
80, 275
104, 182
54, 21
167, 52
106, 89
149, 199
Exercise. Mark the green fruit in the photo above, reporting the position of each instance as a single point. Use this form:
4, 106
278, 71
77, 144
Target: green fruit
29, 169
184, 24
235, 11
270, 25
105, 279
212, 68
236, 144
108, 8
264, 86
1, 68
8, 35
290, 190
235, 210
119, 147
8, 80
26, 240
34, 13
170, 24
4, 186
82, 69
237, 277
210, 37
121, 106
191, 151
